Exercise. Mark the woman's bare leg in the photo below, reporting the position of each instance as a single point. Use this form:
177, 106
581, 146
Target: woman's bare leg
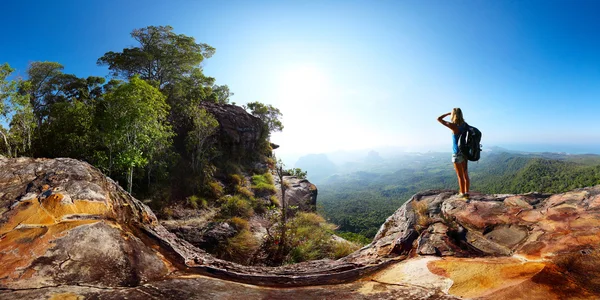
466, 177
459, 174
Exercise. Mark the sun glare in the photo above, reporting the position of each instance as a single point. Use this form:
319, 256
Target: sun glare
303, 80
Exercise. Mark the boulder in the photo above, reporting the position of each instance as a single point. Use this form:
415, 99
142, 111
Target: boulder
299, 192
240, 133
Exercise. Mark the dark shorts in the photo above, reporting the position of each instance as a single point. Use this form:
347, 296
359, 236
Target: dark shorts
458, 158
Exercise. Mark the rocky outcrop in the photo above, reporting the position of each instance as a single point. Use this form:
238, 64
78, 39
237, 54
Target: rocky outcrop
496, 246
239, 132
299, 192
68, 231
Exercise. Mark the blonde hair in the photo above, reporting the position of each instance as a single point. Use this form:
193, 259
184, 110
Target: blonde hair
457, 116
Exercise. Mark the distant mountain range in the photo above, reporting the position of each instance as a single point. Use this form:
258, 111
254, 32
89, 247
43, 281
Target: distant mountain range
323, 165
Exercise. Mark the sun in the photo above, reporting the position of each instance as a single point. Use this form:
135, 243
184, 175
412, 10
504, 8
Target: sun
303, 80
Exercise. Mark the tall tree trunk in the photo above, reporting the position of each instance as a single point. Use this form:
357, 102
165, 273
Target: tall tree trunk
7, 144
109, 161
282, 237
129, 179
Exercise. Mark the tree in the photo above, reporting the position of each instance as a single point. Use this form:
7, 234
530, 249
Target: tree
162, 57
297, 172
282, 238
7, 89
133, 122
70, 131
204, 125
221, 93
22, 125
18, 138
268, 114
41, 86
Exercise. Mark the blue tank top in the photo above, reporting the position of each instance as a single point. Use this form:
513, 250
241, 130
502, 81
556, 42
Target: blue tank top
455, 137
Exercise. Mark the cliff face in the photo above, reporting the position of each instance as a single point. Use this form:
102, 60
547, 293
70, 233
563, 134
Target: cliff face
239, 132
66, 230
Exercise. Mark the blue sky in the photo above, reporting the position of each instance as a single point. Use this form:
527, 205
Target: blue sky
359, 74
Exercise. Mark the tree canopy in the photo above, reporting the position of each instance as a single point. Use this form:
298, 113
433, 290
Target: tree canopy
162, 56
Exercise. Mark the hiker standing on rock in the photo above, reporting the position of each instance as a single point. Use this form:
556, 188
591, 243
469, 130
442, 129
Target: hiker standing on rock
458, 126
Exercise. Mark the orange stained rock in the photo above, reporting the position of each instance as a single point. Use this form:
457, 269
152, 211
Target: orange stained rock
20, 247
55, 205
558, 199
594, 202
531, 216
586, 221
517, 201
51, 210
483, 276
548, 284
66, 296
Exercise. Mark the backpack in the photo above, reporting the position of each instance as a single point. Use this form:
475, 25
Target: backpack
469, 143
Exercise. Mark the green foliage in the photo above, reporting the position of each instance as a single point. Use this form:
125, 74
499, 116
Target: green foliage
354, 237
274, 200
268, 114
204, 125
239, 224
41, 86
16, 109
237, 180
240, 248
175, 56
310, 238
134, 122
263, 183
71, 131
216, 189
297, 172
236, 206
197, 202
245, 192
7, 88
341, 249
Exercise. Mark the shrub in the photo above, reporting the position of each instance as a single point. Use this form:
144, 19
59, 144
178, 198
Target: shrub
241, 247
237, 180
274, 200
297, 172
258, 205
263, 183
239, 224
245, 192
216, 189
197, 202
421, 209
236, 206
340, 249
309, 237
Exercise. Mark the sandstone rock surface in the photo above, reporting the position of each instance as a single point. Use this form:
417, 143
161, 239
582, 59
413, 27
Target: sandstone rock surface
239, 131
69, 232
299, 192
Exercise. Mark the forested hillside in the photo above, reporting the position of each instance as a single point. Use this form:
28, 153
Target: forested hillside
360, 201
164, 130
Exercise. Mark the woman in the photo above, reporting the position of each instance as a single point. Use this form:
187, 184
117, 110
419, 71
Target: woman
458, 126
